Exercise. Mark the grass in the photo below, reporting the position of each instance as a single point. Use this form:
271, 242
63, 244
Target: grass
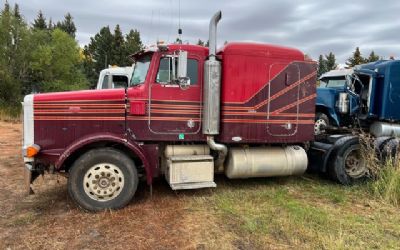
10, 114
387, 183
384, 170
303, 212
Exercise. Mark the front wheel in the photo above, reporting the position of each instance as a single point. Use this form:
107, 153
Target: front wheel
321, 122
103, 179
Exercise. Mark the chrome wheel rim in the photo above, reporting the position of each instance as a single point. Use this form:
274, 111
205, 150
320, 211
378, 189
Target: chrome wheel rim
318, 126
354, 164
103, 182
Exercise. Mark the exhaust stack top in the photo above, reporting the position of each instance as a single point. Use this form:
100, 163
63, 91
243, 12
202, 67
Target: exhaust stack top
212, 83
213, 33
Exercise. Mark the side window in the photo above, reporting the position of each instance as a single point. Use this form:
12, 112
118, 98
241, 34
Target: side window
192, 71
104, 84
165, 70
164, 74
120, 81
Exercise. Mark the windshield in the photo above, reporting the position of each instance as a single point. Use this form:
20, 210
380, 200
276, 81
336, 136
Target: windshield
140, 71
333, 82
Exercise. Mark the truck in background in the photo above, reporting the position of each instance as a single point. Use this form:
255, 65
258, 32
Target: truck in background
351, 102
115, 77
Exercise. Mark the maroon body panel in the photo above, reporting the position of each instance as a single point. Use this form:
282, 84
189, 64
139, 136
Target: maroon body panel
267, 96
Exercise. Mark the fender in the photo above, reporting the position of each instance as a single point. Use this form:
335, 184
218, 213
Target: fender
331, 113
108, 137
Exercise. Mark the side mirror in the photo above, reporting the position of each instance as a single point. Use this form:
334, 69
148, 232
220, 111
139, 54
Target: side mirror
183, 79
182, 64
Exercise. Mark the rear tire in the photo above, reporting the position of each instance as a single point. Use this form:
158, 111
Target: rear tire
347, 165
102, 179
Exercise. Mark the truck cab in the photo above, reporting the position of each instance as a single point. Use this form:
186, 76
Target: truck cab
359, 96
114, 77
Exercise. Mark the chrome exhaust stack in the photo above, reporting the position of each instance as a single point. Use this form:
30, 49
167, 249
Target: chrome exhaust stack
212, 93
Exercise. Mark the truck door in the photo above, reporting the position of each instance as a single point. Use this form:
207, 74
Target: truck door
174, 109
283, 96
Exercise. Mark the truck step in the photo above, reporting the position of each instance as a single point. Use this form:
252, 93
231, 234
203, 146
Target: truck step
190, 171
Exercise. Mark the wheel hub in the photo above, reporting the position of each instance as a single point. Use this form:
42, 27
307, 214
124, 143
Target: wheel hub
355, 165
103, 182
318, 126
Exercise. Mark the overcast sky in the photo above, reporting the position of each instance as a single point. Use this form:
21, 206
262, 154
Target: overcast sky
315, 27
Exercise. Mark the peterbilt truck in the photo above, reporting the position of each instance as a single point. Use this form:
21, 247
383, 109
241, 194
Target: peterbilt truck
189, 112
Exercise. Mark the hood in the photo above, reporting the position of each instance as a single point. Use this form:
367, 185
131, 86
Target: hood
82, 95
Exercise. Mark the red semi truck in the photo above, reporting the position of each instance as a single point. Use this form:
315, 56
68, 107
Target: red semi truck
189, 112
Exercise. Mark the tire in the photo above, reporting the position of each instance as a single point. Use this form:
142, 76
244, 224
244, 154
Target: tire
390, 149
347, 165
102, 179
379, 145
321, 119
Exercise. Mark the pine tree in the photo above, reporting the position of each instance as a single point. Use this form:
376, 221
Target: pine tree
372, 57
118, 47
50, 26
40, 22
356, 59
330, 61
132, 45
200, 42
322, 65
67, 25
6, 7
98, 53
17, 14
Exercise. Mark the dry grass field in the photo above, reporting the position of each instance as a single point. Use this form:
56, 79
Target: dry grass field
305, 212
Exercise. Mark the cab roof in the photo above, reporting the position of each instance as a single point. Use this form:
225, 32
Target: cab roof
261, 49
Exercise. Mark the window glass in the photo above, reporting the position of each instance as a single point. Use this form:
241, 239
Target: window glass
164, 74
120, 81
141, 68
104, 85
334, 82
192, 71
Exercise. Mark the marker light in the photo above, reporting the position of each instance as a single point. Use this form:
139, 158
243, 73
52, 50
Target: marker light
32, 150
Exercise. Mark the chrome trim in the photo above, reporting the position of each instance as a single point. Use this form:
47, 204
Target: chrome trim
28, 129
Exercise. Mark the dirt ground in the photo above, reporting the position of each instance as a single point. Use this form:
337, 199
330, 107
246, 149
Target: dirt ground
305, 212
49, 219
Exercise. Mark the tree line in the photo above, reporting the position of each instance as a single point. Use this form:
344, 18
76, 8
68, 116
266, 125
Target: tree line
328, 62
45, 56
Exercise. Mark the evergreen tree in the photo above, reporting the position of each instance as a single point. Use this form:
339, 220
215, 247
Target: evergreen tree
200, 42
118, 52
322, 65
67, 25
372, 57
50, 26
330, 61
132, 45
98, 53
17, 14
356, 59
40, 22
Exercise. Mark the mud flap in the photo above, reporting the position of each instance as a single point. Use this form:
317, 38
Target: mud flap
28, 179
320, 152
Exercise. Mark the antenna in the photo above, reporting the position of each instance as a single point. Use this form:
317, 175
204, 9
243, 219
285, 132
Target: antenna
151, 26
179, 23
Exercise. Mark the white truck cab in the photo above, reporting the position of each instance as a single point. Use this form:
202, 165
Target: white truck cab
114, 77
